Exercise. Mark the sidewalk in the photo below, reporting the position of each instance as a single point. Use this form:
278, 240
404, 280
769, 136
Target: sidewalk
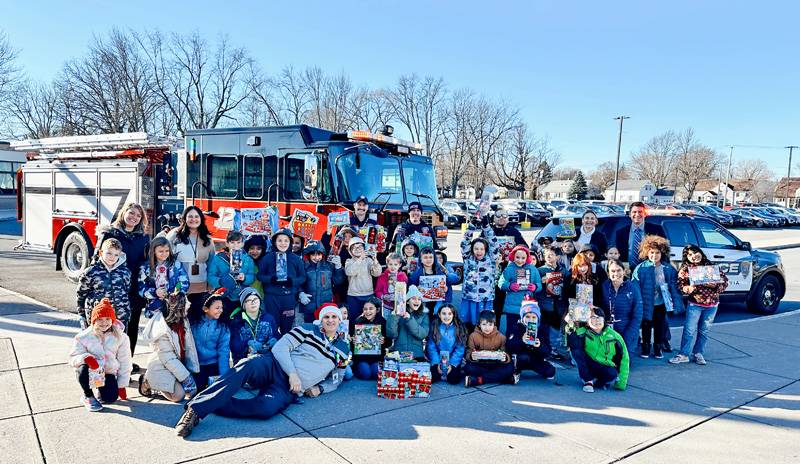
743, 407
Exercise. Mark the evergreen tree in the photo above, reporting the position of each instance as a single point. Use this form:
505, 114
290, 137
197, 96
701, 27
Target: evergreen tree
578, 189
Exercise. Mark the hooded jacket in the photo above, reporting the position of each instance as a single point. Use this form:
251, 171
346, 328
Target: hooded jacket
408, 334
112, 352
264, 330
645, 276
213, 342
451, 278
220, 276
135, 245
516, 345
448, 342
99, 281
479, 341
607, 348
165, 366
410, 263
176, 274
295, 273
321, 278
258, 240
511, 275
479, 274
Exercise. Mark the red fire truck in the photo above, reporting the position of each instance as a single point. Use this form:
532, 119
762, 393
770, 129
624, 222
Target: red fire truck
70, 185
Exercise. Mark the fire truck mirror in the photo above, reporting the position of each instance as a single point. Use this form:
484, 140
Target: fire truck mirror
310, 171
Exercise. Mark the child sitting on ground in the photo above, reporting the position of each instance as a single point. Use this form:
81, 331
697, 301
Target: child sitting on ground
322, 276
160, 276
253, 331
520, 279
174, 358
360, 270
523, 342
487, 340
232, 269
408, 325
212, 340
101, 357
106, 277
600, 354
366, 366
384, 286
446, 345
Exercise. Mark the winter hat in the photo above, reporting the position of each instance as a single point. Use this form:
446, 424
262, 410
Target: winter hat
327, 308
256, 240
104, 309
479, 240
284, 231
520, 248
313, 246
246, 293
414, 205
529, 306
592, 248
544, 240
412, 292
355, 241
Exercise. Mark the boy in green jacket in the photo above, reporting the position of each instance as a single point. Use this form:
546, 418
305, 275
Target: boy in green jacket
600, 354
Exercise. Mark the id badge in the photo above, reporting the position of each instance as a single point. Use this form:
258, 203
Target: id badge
195, 269
335, 375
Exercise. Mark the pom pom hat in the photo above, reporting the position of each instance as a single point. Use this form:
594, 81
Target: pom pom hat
104, 309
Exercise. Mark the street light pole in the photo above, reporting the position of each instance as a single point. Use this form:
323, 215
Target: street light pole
619, 147
789, 172
728, 181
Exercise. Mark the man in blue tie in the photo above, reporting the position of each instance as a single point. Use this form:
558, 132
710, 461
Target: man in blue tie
629, 238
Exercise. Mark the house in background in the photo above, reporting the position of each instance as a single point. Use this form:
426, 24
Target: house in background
555, 190
713, 191
664, 195
779, 196
629, 190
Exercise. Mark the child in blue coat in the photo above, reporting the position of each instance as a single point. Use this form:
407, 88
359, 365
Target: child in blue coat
232, 269
213, 342
429, 265
446, 346
553, 303
321, 277
283, 274
253, 331
160, 276
519, 279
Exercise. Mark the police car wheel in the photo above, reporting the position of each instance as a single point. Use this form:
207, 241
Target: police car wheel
765, 298
75, 256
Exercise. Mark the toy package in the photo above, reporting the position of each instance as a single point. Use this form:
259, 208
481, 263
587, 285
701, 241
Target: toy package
402, 380
433, 287
367, 339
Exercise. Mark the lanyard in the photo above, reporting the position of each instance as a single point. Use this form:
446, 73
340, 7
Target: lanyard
194, 247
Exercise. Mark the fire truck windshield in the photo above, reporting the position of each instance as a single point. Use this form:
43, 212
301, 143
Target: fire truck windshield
363, 173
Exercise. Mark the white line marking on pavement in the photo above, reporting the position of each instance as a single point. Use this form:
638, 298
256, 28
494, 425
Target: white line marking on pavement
761, 318
30, 300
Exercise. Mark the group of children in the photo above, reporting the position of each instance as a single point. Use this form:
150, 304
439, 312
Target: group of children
262, 287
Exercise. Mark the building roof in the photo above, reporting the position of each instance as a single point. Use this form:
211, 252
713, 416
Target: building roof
665, 193
711, 185
780, 187
557, 186
629, 184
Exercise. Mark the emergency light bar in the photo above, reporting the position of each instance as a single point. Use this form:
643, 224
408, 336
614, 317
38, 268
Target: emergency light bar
85, 143
368, 136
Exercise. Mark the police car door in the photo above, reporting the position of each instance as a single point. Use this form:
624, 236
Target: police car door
721, 247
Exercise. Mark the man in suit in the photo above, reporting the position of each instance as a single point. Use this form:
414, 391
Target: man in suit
629, 238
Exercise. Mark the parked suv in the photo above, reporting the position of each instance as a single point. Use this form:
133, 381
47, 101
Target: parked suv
755, 276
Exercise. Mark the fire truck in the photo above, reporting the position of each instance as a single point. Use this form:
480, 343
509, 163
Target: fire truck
72, 185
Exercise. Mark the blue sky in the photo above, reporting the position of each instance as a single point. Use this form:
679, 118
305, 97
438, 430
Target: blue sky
728, 69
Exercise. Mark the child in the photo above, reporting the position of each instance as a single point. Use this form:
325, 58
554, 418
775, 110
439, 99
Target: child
384, 286
298, 244
520, 279
410, 256
256, 248
321, 277
360, 270
430, 265
568, 252
253, 331
366, 366
283, 274
232, 269
590, 252
612, 253
101, 357
524, 343
213, 341
487, 338
408, 326
552, 302
480, 256
174, 358
582, 274
600, 354
446, 346
703, 303
658, 282
106, 277
160, 276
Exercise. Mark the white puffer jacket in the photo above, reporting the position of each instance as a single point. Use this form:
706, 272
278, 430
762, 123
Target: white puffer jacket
164, 366
111, 350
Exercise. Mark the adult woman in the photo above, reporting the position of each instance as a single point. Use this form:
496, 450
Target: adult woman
194, 249
588, 234
622, 303
129, 228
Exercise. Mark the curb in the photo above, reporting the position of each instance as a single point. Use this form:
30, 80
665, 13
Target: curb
779, 247
33, 301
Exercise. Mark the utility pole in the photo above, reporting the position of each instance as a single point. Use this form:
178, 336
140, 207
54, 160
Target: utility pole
728, 181
789, 172
619, 147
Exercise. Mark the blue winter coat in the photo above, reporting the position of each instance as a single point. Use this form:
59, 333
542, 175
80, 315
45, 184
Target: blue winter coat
508, 277
449, 343
212, 339
627, 307
451, 278
295, 273
264, 331
219, 274
176, 274
321, 278
645, 276
548, 302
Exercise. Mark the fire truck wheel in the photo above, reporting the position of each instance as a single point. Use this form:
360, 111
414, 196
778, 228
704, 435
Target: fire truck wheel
75, 255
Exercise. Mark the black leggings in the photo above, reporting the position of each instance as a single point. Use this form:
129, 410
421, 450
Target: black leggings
655, 327
137, 304
455, 375
108, 392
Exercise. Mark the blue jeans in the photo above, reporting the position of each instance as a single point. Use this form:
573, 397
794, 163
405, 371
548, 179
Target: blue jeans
366, 370
698, 322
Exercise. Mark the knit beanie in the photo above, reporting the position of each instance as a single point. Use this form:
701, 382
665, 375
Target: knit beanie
104, 309
529, 306
412, 292
246, 293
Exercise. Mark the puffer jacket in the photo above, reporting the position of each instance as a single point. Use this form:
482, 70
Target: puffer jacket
112, 352
135, 245
479, 341
99, 281
212, 338
606, 348
359, 274
164, 367
264, 331
623, 305
409, 334
479, 275
645, 276
447, 343
219, 274
176, 274
508, 277
320, 279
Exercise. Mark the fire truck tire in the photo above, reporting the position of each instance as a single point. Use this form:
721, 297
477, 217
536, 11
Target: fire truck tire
75, 255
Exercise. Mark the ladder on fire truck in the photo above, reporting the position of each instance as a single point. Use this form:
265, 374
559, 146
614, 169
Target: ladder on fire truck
91, 146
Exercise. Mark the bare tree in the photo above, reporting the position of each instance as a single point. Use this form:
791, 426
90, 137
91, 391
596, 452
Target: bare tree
491, 123
699, 163
753, 170
603, 177
370, 109
453, 161
565, 173
656, 159
34, 109
418, 104
9, 72
521, 164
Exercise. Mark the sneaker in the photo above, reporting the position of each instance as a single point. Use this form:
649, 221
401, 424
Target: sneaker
679, 359
517, 377
657, 353
552, 377
91, 404
588, 387
644, 355
699, 359
187, 422
666, 347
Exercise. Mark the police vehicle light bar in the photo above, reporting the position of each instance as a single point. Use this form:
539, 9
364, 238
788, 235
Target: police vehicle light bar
368, 136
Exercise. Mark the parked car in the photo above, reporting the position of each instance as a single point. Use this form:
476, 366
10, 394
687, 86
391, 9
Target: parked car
782, 220
761, 220
719, 215
528, 211
793, 219
755, 276
454, 216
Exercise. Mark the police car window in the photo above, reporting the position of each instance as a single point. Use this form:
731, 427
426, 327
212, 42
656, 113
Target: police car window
253, 176
715, 236
680, 232
223, 173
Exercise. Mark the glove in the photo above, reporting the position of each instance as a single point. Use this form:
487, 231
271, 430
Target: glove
91, 362
485, 221
336, 260
255, 346
476, 221
514, 287
271, 342
305, 298
188, 385
123, 394
531, 287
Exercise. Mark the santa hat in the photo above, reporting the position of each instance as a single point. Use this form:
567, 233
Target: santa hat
104, 309
529, 306
327, 308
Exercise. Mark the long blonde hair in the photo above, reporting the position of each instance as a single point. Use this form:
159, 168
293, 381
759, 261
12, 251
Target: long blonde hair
119, 222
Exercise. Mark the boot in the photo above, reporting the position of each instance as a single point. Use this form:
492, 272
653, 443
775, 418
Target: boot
187, 422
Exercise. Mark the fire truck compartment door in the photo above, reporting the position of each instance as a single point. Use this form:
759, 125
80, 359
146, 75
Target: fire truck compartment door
76, 193
116, 188
37, 219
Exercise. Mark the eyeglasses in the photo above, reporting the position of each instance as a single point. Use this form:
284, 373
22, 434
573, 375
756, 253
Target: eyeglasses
501, 215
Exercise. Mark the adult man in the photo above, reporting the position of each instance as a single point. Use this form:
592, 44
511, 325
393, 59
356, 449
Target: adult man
308, 360
629, 238
358, 219
414, 224
501, 227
